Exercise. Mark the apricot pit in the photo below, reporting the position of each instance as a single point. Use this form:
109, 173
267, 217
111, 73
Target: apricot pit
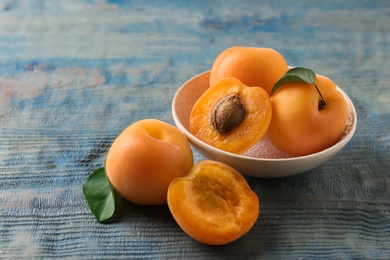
227, 113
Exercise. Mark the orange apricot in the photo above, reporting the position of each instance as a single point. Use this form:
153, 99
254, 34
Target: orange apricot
253, 66
231, 116
213, 204
298, 127
145, 158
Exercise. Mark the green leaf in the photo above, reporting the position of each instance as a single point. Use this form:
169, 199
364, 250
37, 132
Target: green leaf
295, 75
100, 195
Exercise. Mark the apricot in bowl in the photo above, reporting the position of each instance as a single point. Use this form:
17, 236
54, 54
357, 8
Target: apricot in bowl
253, 66
262, 160
307, 118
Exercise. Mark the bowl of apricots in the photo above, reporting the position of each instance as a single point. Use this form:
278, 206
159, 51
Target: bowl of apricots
262, 117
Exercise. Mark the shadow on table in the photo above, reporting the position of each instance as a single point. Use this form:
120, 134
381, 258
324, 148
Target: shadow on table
128, 211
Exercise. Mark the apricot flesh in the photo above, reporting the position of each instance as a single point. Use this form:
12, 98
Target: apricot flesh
298, 127
213, 203
252, 128
253, 66
145, 158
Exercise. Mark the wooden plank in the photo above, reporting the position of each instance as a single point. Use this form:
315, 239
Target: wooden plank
74, 74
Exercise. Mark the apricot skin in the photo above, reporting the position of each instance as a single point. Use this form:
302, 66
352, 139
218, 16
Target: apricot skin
213, 204
145, 158
254, 126
253, 66
297, 127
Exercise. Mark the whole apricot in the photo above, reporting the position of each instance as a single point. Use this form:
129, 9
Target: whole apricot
213, 203
231, 116
145, 158
298, 126
253, 66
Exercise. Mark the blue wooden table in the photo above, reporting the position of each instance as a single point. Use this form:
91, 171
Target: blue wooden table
74, 74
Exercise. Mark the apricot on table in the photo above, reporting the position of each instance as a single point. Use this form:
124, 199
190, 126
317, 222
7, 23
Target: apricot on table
253, 66
231, 116
299, 126
213, 204
145, 158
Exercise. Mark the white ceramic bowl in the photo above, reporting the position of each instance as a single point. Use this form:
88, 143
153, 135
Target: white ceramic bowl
263, 160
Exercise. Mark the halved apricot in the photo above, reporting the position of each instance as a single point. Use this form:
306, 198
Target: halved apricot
214, 203
231, 116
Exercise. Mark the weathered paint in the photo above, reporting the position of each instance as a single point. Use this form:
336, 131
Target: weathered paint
74, 74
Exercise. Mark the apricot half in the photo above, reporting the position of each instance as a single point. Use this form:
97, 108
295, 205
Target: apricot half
213, 204
145, 158
231, 116
298, 126
253, 66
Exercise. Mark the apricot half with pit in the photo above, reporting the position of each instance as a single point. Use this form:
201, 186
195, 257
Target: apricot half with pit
231, 116
213, 203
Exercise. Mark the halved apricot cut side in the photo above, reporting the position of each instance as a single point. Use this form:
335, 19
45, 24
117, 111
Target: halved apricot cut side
213, 204
231, 116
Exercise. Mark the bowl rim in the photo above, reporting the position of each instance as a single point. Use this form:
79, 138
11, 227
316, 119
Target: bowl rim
341, 143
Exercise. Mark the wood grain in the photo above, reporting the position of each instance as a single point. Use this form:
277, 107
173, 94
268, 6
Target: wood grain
74, 74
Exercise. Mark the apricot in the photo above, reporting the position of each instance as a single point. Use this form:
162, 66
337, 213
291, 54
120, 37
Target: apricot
145, 158
231, 116
298, 127
253, 66
213, 203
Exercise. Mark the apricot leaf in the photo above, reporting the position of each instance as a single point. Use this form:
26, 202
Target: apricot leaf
100, 195
295, 75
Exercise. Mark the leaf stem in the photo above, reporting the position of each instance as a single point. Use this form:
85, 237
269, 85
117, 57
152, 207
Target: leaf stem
321, 102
